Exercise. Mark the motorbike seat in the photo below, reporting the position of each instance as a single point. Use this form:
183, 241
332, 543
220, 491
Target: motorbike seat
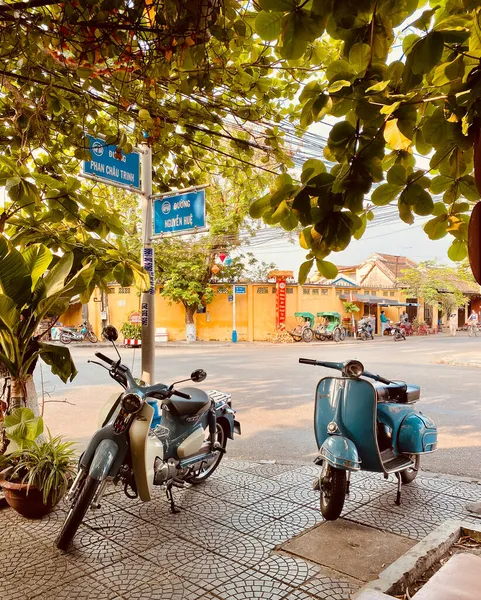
397, 391
198, 403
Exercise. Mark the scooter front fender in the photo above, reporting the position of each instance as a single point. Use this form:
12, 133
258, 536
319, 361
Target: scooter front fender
340, 452
103, 459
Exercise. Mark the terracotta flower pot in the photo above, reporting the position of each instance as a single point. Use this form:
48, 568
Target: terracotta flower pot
28, 505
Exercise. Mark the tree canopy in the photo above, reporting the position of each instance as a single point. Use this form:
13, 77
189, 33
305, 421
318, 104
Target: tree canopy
214, 85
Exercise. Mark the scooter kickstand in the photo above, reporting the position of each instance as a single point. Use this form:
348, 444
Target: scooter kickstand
170, 497
399, 486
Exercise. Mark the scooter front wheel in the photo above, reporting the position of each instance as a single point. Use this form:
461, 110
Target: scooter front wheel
333, 493
77, 512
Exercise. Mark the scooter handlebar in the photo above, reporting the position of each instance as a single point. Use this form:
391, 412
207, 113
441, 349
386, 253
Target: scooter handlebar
308, 361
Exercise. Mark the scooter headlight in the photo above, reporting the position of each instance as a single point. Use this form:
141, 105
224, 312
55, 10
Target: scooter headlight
354, 368
131, 403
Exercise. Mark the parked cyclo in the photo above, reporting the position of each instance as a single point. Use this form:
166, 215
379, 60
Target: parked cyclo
329, 327
304, 328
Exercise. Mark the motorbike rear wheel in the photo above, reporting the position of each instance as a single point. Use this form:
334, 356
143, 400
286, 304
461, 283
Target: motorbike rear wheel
336, 335
343, 333
77, 512
307, 334
65, 338
333, 493
92, 337
409, 475
205, 472
363, 335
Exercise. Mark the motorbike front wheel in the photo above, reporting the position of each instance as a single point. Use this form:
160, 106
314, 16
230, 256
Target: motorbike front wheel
206, 470
333, 493
65, 338
409, 475
77, 512
92, 337
363, 335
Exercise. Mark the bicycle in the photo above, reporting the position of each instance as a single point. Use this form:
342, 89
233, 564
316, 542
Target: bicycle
473, 329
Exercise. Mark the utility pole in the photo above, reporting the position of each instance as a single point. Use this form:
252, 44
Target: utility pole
147, 260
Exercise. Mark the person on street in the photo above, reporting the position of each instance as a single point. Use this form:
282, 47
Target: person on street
453, 323
473, 318
404, 318
384, 322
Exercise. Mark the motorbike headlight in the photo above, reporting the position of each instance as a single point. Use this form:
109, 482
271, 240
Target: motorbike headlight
131, 403
354, 368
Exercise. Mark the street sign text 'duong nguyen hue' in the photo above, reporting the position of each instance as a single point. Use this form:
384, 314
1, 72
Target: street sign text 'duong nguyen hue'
180, 213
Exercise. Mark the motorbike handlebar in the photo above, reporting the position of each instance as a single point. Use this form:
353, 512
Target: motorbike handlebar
105, 358
181, 394
308, 361
377, 377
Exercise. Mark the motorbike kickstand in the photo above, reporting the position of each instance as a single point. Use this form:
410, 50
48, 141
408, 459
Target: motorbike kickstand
399, 487
348, 483
170, 497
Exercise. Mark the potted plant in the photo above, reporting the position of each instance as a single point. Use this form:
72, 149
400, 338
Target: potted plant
350, 308
36, 473
132, 333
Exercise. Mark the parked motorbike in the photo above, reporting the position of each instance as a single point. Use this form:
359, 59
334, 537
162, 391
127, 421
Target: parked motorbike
83, 333
364, 329
142, 446
397, 332
366, 426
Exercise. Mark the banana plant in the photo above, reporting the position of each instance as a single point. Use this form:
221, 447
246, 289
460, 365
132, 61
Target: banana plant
35, 283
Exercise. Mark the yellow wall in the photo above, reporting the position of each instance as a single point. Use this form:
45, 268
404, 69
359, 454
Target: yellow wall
255, 310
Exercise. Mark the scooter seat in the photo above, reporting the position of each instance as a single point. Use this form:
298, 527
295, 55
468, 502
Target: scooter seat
397, 391
198, 403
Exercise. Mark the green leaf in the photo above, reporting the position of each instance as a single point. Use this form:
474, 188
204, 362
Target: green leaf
423, 202
23, 427
425, 19
304, 270
427, 52
15, 279
305, 238
458, 250
440, 184
385, 193
379, 87
468, 188
394, 137
9, 314
59, 359
283, 5
257, 208
338, 85
123, 274
359, 57
55, 279
397, 175
38, 258
326, 269
341, 133
268, 25
311, 168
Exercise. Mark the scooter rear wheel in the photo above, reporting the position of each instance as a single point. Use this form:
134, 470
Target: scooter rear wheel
65, 338
205, 472
333, 493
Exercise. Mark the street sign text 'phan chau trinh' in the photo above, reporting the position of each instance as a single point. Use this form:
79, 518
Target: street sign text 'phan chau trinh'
112, 166
180, 213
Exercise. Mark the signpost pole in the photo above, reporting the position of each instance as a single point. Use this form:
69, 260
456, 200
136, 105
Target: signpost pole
234, 332
147, 258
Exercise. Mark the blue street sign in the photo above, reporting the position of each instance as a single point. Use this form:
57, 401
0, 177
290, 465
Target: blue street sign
180, 213
104, 165
230, 298
240, 289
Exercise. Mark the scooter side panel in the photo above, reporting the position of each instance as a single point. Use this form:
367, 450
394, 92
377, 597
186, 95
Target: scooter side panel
351, 404
144, 450
412, 432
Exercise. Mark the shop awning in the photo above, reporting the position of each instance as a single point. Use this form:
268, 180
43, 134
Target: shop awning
367, 299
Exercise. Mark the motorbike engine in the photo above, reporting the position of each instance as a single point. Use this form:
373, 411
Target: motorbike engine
165, 470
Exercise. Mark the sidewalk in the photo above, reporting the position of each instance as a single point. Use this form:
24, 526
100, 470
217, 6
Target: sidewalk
222, 545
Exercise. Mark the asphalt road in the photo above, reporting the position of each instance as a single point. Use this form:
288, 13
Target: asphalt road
274, 394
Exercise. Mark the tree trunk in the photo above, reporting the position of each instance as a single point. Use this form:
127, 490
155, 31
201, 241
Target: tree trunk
190, 330
23, 393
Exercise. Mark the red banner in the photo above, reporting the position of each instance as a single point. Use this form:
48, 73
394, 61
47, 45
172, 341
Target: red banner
280, 301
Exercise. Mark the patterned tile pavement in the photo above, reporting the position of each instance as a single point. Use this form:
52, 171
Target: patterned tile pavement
222, 545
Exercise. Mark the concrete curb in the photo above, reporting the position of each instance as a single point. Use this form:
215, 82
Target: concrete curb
407, 569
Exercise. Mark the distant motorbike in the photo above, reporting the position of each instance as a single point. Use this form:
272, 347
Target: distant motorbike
406, 326
397, 332
83, 333
366, 426
364, 329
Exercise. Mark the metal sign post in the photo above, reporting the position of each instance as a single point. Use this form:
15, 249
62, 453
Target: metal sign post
148, 298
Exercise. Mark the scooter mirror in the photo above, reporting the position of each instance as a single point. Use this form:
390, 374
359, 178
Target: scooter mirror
198, 375
474, 242
110, 333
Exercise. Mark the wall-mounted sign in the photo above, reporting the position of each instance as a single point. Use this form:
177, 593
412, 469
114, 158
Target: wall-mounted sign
280, 301
112, 166
240, 289
183, 213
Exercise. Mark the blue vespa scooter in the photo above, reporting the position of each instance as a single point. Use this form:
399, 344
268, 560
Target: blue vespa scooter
366, 426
